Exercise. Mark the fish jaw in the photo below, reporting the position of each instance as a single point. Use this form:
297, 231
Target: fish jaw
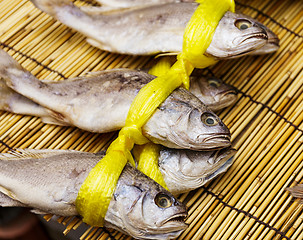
220, 170
229, 41
214, 141
181, 140
271, 46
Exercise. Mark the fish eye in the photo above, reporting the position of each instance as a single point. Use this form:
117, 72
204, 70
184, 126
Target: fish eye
209, 119
214, 82
163, 201
243, 24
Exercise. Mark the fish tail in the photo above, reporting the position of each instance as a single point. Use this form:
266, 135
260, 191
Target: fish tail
296, 191
7, 62
11, 72
5, 96
11, 101
14, 102
66, 12
51, 7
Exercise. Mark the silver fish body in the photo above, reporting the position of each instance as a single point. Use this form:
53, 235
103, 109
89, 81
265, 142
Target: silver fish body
181, 121
48, 182
159, 29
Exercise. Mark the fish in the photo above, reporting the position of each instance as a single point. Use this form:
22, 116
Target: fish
212, 91
186, 170
139, 206
181, 121
183, 170
159, 28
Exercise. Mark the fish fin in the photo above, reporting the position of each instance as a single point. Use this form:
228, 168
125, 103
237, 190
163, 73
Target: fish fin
37, 211
29, 153
8, 193
11, 69
102, 72
55, 118
51, 120
95, 43
5, 96
296, 191
14, 102
6, 201
95, 10
167, 54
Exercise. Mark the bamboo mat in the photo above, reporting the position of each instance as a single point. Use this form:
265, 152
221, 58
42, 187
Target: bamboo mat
247, 202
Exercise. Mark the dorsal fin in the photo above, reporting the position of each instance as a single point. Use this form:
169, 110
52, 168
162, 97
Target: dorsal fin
31, 153
166, 54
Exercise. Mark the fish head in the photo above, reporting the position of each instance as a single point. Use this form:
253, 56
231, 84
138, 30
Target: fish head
185, 170
182, 121
213, 92
237, 35
205, 130
143, 209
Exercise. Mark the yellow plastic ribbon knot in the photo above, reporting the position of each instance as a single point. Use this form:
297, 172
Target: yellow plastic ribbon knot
97, 190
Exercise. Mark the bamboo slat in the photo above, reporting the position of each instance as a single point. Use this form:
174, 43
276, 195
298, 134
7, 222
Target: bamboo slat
249, 201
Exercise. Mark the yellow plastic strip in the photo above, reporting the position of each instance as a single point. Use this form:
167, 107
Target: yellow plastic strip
200, 30
147, 156
97, 189
162, 66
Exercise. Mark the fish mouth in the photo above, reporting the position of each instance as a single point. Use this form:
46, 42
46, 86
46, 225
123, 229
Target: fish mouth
259, 35
217, 141
274, 41
223, 99
175, 222
245, 46
271, 46
221, 169
228, 94
221, 155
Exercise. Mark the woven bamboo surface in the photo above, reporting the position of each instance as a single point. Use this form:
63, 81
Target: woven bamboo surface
247, 202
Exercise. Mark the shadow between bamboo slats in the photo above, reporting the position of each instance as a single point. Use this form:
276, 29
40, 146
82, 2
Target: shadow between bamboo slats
111, 62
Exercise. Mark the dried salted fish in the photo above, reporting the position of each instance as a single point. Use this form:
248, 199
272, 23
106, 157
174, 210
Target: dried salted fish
181, 121
139, 207
159, 28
